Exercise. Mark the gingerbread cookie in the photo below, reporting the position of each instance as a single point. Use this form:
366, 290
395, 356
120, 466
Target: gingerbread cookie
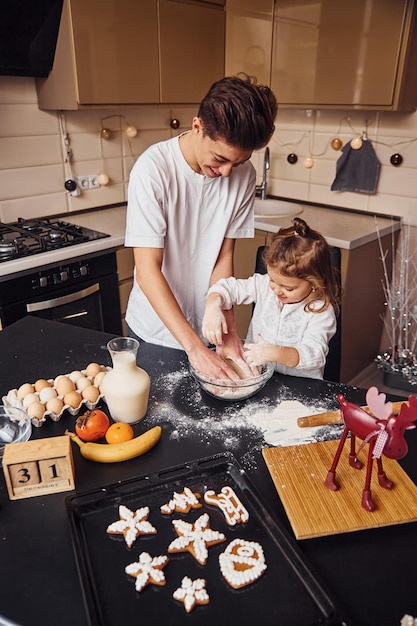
230, 505
182, 502
131, 524
191, 592
148, 570
242, 563
195, 538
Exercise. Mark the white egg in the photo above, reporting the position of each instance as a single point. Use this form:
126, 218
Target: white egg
75, 375
46, 394
82, 383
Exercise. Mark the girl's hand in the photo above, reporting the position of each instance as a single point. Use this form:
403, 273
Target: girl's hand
257, 354
214, 322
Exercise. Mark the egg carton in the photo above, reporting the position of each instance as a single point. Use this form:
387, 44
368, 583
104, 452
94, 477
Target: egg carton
12, 400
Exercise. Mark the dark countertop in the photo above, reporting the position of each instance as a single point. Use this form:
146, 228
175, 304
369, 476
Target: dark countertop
369, 573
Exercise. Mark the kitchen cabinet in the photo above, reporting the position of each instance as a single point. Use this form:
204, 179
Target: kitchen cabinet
244, 266
351, 55
249, 38
125, 267
125, 52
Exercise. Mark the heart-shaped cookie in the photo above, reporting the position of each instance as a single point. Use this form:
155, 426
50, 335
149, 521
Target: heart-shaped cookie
242, 563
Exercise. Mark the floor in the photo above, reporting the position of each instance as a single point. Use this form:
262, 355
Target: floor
373, 376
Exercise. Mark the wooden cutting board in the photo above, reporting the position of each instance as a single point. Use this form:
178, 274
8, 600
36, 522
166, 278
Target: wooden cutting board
313, 510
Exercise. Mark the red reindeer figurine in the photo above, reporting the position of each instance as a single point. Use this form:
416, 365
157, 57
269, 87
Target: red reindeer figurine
384, 433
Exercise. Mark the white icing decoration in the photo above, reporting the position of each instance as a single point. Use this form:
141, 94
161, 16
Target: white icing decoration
132, 524
147, 570
182, 502
229, 504
191, 592
195, 538
242, 562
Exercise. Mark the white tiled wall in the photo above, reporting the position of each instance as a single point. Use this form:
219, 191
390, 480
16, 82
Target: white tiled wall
33, 166
33, 170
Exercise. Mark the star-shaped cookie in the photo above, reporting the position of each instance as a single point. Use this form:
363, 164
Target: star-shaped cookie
132, 524
148, 570
195, 538
191, 592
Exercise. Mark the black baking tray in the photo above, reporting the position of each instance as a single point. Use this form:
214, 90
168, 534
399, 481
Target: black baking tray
288, 593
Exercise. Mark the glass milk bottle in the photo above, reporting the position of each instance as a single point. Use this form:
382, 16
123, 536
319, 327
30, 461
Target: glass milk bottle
126, 386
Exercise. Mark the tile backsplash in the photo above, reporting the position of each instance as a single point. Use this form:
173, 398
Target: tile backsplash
33, 165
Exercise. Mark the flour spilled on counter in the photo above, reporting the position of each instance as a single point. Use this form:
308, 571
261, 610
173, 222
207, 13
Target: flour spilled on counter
175, 397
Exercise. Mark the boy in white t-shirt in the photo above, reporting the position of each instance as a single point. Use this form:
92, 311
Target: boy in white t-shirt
189, 198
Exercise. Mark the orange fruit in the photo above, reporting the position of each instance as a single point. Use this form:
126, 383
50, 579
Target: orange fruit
119, 432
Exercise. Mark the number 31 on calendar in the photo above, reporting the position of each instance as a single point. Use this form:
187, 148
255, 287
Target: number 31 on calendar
41, 466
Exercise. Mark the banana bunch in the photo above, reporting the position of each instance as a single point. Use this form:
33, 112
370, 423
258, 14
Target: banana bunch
115, 452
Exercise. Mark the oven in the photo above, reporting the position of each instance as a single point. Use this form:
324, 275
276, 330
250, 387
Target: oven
82, 291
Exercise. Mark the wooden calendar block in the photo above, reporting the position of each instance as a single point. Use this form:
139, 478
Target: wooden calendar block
41, 466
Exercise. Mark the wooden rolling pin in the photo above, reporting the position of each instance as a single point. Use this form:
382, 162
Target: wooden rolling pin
335, 417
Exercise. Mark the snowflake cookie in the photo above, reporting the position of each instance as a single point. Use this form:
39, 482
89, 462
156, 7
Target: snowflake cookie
195, 538
191, 592
182, 502
148, 570
131, 524
230, 505
242, 563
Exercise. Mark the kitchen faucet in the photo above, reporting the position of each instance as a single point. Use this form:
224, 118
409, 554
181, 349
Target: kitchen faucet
262, 187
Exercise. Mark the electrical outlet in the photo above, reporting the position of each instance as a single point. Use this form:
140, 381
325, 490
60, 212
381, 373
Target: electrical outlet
89, 181
93, 181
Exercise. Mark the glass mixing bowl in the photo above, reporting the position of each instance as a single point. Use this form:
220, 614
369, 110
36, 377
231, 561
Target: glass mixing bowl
15, 426
233, 390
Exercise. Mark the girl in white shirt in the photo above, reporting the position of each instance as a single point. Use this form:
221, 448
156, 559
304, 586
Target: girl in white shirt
296, 304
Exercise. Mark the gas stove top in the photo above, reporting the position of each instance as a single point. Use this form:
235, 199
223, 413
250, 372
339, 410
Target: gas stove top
27, 237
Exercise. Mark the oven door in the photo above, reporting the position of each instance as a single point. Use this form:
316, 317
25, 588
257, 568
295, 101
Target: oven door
90, 301
80, 308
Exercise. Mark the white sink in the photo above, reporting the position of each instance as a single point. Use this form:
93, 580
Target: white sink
276, 208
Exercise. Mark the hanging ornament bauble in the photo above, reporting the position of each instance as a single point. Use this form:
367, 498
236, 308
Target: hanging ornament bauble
103, 179
131, 131
308, 162
174, 123
396, 160
70, 185
106, 133
356, 143
336, 143
292, 158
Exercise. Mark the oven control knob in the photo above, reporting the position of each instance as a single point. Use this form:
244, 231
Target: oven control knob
43, 281
83, 270
63, 276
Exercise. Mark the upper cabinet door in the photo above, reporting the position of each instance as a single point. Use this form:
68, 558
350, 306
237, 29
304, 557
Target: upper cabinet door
249, 26
356, 54
127, 52
116, 51
192, 41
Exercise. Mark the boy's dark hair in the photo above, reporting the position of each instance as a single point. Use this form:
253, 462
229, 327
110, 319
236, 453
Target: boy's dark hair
239, 112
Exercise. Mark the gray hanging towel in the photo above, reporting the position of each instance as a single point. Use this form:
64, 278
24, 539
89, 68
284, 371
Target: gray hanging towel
357, 170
